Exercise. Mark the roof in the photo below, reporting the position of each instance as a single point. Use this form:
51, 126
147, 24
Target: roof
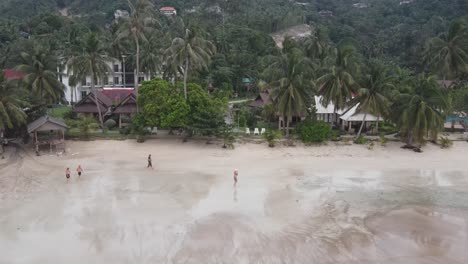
167, 8
322, 109
353, 115
262, 100
88, 104
116, 95
446, 83
11, 74
36, 125
127, 106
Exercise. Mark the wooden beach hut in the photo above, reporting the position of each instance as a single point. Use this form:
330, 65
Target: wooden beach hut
48, 131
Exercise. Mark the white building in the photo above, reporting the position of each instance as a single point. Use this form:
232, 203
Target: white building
348, 118
118, 78
168, 11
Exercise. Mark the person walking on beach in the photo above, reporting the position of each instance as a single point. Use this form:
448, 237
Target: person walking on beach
150, 164
79, 170
236, 173
67, 174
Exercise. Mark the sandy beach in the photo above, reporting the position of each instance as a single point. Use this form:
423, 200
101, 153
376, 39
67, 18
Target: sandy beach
318, 204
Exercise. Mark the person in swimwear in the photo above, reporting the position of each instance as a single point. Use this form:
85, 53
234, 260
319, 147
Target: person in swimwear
236, 173
150, 164
67, 174
79, 170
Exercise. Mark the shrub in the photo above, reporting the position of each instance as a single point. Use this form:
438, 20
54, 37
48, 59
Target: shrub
370, 146
125, 130
87, 125
361, 140
383, 140
314, 131
445, 142
110, 124
335, 135
271, 137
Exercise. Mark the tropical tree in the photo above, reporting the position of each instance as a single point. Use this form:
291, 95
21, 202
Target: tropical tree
338, 83
137, 27
92, 63
372, 96
317, 46
190, 52
289, 75
421, 112
11, 104
40, 69
447, 54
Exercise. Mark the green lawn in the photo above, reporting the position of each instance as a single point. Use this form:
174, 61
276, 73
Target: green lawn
59, 112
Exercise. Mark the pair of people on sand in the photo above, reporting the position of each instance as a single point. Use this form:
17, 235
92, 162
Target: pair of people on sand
79, 170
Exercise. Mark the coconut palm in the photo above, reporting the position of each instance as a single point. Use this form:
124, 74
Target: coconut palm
190, 52
338, 83
421, 112
92, 62
447, 54
11, 104
291, 89
40, 69
317, 46
372, 97
137, 27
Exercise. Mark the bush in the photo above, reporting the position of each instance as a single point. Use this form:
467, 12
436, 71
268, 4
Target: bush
125, 130
314, 131
445, 142
361, 140
271, 137
72, 123
110, 124
370, 146
336, 135
383, 140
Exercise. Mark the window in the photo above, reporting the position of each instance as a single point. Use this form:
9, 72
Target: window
116, 67
106, 81
83, 82
83, 94
141, 79
116, 80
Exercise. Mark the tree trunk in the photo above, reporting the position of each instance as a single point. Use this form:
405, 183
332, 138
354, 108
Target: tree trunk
362, 125
287, 126
409, 137
93, 88
186, 77
137, 73
377, 125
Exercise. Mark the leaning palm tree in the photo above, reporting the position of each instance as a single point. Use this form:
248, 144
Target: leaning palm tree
40, 69
291, 91
137, 27
190, 52
422, 111
338, 83
92, 62
11, 104
447, 54
372, 97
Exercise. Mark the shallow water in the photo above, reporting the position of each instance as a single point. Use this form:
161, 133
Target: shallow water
298, 216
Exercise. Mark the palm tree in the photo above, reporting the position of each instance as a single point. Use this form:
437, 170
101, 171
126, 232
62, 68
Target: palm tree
337, 84
291, 90
11, 111
190, 52
372, 97
421, 112
137, 27
317, 46
40, 69
92, 62
152, 54
448, 53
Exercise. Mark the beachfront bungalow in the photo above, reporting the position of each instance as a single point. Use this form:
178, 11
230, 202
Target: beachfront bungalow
262, 99
87, 105
347, 119
126, 108
48, 131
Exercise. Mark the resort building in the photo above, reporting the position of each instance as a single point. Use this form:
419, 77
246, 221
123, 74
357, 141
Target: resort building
347, 119
168, 11
121, 76
262, 99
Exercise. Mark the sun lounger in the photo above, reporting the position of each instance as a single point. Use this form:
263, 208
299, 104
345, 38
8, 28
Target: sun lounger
247, 131
256, 132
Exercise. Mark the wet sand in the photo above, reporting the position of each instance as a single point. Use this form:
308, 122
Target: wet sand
327, 204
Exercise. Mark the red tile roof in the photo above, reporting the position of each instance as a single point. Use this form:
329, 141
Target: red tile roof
11, 74
167, 8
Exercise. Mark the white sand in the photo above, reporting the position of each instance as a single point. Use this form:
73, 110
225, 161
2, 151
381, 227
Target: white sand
327, 204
